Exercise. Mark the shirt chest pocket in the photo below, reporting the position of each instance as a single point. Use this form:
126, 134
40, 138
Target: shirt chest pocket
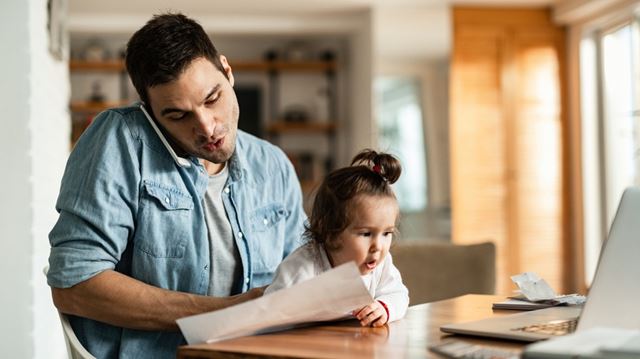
164, 222
266, 218
267, 237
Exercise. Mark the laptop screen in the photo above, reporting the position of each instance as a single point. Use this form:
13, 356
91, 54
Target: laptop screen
613, 298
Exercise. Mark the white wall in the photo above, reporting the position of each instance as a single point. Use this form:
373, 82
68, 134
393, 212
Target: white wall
360, 124
412, 32
34, 140
415, 42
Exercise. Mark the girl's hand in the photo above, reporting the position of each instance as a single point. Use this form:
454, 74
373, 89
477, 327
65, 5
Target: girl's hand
373, 315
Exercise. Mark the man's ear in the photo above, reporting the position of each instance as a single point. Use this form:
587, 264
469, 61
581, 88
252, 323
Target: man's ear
227, 69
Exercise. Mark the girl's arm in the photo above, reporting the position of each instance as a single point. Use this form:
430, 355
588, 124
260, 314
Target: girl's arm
297, 267
391, 291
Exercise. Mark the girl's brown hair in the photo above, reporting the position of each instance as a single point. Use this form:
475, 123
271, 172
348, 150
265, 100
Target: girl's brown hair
371, 173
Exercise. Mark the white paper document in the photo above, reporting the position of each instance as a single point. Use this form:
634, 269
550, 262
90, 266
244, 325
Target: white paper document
535, 289
329, 296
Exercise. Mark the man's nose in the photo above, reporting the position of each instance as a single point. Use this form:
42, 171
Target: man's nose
205, 123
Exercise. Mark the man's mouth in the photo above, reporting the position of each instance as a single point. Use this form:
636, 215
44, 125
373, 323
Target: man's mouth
214, 145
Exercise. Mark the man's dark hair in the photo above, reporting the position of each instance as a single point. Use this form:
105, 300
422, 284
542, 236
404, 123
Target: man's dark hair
163, 48
371, 173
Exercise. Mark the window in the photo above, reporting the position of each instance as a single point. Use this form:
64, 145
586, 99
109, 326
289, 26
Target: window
401, 133
620, 109
610, 110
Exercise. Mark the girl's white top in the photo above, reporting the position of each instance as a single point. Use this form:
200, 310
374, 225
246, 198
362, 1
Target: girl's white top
384, 282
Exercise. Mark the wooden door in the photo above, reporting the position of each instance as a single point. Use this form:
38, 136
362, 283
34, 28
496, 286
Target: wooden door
507, 139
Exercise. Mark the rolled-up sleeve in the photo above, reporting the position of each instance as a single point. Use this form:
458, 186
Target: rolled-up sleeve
97, 203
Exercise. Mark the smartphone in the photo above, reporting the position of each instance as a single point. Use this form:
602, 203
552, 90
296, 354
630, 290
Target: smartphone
182, 162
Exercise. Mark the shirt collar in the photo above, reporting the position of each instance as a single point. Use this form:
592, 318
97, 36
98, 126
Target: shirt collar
237, 164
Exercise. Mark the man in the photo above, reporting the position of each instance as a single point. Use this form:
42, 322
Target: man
146, 236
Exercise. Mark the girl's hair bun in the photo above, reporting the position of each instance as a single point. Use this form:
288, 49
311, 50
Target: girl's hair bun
384, 164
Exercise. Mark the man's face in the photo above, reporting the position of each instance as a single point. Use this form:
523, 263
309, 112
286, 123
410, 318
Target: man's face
199, 110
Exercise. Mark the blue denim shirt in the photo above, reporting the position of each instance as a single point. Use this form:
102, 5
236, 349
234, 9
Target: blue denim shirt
125, 205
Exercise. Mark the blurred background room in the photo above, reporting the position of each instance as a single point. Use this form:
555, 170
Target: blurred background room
516, 121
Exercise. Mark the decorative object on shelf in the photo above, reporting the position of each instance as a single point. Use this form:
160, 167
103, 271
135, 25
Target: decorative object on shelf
327, 55
271, 55
95, 51
298, 51
96, 92
296, 113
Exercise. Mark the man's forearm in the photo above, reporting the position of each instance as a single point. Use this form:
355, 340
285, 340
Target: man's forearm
119, 300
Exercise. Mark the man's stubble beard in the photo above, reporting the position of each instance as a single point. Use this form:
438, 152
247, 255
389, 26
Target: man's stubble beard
222, 155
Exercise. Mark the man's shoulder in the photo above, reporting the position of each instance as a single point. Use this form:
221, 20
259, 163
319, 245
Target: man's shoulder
260, 155
130, 115
117, 119
127, 121
253, 146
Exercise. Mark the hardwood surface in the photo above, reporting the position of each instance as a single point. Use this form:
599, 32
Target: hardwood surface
406, 338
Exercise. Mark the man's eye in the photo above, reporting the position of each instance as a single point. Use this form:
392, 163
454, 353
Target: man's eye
177, 117
212, 100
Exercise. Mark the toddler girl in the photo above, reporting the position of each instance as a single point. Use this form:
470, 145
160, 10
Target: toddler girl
354, 218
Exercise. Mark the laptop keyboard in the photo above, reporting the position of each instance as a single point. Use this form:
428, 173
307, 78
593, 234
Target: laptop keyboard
458, 349
555, 327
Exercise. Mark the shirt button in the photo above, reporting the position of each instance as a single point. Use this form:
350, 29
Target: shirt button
206, 266
246, 280
240, 234
227, 190
265, 221
166, 199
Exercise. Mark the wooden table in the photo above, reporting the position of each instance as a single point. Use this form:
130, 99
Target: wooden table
406, 338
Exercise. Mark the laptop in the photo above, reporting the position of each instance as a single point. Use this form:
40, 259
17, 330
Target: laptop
612, 300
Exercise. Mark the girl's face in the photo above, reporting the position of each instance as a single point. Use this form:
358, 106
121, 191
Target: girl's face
367, 238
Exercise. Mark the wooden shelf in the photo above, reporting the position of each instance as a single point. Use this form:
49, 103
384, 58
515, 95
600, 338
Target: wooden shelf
312, 66
281, 127
94, 107
107, 66
309, 66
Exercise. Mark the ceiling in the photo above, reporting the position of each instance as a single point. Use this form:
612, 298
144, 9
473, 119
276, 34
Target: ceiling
272, 7
403, 29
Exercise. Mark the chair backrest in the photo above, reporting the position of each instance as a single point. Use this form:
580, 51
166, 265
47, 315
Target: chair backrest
436, 271
74, 347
